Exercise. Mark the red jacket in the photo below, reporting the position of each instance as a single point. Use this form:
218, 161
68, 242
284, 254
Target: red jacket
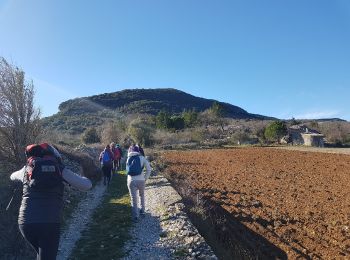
116, 153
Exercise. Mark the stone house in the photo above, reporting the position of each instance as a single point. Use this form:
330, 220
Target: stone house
302, 135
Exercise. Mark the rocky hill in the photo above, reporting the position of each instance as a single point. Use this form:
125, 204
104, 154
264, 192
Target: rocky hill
149, 101
79, 113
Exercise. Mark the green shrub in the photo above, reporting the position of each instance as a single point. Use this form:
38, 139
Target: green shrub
293, 121
190, 117
177, 122
217, 109
90, 136
141, 131
275, 131
163, 120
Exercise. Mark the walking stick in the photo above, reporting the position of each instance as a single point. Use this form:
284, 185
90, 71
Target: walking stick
14, 192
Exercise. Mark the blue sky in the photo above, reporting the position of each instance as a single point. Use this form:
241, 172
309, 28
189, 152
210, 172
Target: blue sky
278, 58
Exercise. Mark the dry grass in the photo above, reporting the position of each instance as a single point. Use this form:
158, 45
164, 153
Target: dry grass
12, 244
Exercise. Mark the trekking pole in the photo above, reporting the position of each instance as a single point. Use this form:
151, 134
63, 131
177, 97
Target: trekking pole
14, 192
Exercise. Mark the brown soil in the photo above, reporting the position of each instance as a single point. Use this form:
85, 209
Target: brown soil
298, 201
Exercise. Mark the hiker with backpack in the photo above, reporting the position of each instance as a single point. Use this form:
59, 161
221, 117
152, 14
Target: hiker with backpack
106, 160
136, 180
40, 214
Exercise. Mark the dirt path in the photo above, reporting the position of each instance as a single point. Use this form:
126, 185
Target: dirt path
79, 220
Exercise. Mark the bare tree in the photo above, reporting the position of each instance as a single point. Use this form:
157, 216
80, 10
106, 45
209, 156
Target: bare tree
114, 132
19, 119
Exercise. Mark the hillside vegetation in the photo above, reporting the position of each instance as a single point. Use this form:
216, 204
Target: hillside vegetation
170, 117
148, 101
78, 114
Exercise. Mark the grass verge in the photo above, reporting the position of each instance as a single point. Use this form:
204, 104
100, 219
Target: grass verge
109, 228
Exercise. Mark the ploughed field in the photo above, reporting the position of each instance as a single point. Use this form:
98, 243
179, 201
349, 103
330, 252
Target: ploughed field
297, 201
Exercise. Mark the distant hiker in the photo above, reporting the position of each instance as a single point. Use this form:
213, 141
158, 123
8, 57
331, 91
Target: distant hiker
106, 160
135, 164
121, 155
141, 149
117, 153
112, 146
40, 213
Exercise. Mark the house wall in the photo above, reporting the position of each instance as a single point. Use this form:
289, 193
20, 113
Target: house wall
313, 140
296, 138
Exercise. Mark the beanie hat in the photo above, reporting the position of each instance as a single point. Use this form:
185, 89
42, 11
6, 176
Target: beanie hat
133, 149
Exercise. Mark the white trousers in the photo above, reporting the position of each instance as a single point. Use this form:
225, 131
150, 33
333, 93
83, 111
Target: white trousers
136, 189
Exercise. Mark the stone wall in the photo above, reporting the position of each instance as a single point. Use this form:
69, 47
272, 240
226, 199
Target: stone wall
315, 140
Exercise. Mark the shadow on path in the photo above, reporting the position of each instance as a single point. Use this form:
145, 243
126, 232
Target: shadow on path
145, 242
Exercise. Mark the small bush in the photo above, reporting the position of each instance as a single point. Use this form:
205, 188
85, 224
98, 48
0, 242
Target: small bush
275, 131
242, 137
163, 120
113, 132
141, 131
90, 136
190, 118
217, 109
172, 122
177, 122
198, 135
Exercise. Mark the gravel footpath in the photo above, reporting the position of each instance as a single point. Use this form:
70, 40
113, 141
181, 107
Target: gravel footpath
80, 218
165, 232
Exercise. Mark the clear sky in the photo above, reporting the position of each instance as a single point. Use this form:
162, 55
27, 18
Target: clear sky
285, 59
